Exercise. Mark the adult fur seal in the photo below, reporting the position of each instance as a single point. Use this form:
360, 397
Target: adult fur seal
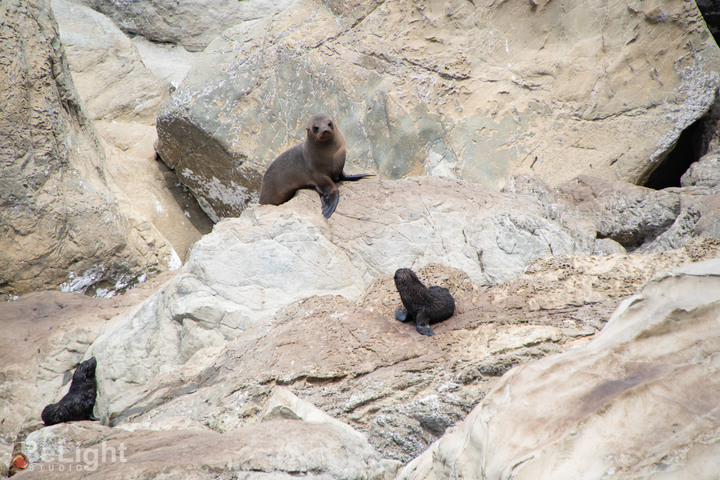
316, 163
422, 304
79, 402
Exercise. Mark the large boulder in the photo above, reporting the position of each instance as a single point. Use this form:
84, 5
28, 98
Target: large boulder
292, 438
638, 218
191, 23
458, 89
635, 402
122, 97
107, 71
60, 225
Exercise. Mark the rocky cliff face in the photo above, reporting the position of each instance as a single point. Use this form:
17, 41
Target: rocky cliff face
583, 342
60, 224
475, 90
85, 206
282, 311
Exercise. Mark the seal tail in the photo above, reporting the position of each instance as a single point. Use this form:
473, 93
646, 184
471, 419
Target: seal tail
353, 178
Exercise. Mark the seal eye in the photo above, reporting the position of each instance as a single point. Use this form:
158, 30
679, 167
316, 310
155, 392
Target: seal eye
330, 124
315, 128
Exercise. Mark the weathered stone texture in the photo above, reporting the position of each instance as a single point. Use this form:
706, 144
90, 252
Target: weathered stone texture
122, 97
59, 224
475, 90
635, 402
191, 23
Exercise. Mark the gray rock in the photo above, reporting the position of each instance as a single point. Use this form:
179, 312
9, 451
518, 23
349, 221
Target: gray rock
442, 90
629, 217
626, 213
168, 62
703, 173
192, 23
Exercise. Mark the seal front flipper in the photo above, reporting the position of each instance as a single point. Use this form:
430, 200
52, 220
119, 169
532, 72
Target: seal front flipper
422, 324
329, 200
402, 315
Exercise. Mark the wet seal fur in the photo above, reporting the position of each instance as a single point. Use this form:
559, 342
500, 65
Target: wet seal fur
422, 304
316, 163
79, 402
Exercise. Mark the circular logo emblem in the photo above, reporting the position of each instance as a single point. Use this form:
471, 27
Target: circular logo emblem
20, 462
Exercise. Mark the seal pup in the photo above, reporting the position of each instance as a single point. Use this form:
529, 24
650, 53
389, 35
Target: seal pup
422, 304
316, 163
79, 402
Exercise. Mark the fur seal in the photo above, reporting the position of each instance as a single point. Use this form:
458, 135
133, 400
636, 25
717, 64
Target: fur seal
422, 304
79, 402
316, 163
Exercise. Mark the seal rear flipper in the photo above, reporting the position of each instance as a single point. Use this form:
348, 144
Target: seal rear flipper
354, 178
422, 324
402, 315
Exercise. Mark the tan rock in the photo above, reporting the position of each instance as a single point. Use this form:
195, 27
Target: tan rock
460, 89
635, 402
123, 97
59, 224
277, 448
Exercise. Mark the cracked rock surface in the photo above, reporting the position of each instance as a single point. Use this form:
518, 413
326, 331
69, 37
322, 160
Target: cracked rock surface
460, 89
281, 298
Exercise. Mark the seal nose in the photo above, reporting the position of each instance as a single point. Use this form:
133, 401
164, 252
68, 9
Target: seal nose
325, 133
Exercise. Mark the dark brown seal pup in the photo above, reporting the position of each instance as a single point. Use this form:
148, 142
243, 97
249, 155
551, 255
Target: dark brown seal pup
79, 402
422, 304
316, 163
